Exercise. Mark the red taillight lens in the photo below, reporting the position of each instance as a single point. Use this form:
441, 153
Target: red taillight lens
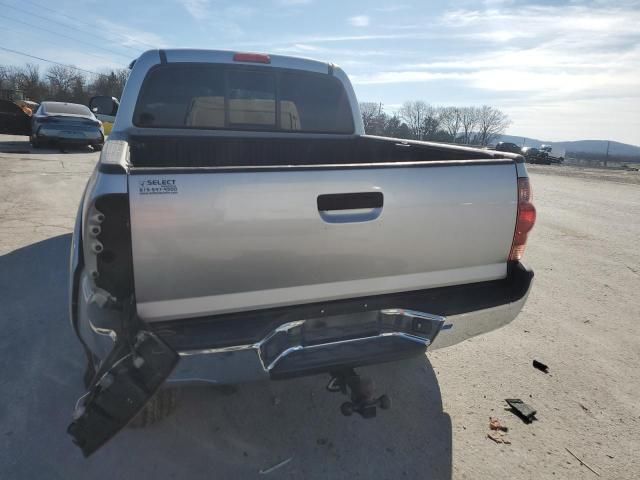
525, 220
252, 57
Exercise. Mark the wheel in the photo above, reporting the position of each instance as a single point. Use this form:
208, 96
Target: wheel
163, 404
97, 147
385, 402
35, 143
347, 409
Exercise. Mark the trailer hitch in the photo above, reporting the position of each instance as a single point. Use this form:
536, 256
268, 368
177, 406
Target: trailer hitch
361, 391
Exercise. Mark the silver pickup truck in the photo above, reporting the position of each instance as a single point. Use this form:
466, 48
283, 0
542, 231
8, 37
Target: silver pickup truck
240, 226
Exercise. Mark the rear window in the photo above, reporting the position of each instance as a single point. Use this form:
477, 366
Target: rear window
242, 98
66, 108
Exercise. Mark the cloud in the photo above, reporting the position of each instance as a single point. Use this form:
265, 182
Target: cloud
223, 20
198, 9
359, 20
130, 37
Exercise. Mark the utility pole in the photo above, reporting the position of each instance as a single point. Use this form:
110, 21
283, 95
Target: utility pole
606, 158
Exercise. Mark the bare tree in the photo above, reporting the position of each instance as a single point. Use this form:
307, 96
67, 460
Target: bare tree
451, 121
414, 113
61, 82
491, 123
62, 78
431, 123
31, 83
469, 121
110, 83
373, 117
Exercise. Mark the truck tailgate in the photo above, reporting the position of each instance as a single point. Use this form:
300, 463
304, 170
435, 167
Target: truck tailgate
211, 241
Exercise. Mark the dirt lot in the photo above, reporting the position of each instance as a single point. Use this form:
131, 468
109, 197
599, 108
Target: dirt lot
582, 319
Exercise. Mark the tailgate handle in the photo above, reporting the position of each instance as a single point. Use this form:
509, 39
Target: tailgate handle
350, 201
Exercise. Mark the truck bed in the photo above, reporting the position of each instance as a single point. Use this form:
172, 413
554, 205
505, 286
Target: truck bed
184, 151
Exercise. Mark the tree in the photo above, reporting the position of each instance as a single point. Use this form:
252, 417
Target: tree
451, 121
491, 123
373, 118
469, 121
61, 79
110, 84
413, 112
431, 123
395, 127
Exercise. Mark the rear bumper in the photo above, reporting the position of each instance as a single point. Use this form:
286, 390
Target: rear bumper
307, 339
80, 136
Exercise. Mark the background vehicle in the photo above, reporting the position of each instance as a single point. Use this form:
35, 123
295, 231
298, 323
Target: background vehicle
240, 226
534, 155
65, 123
508, 147
554, 155
13, 120
105, 109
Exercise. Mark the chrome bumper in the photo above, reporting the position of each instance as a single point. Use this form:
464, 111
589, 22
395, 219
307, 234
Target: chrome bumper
305, 347
313, 345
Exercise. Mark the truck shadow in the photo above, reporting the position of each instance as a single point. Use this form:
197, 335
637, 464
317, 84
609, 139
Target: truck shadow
18, 145
213, 434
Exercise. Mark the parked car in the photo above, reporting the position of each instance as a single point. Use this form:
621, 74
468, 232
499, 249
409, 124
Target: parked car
508, 147
240, 226
13, 119
64, 123
535, 155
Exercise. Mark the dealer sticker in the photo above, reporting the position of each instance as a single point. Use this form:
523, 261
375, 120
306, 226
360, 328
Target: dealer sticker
157, 186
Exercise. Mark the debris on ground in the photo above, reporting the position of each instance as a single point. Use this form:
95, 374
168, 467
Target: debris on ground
581, 461
498, 431
275, 467
540, 366
586, 409
499, 437
524, 411
495, 424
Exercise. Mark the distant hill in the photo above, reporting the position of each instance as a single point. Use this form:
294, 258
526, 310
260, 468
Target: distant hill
586, 146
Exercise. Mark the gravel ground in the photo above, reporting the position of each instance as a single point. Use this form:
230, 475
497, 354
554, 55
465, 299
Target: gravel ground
581, 319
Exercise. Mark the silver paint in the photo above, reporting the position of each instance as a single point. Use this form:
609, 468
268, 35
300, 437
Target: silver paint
247, 240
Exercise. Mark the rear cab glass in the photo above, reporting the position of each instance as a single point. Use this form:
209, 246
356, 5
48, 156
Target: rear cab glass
237, 97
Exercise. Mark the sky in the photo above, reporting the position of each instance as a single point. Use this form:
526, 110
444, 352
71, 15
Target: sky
560, 70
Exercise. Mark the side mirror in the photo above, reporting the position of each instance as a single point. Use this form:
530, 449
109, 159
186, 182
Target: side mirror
104, 105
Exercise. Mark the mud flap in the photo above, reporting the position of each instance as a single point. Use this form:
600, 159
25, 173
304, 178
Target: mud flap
130, 376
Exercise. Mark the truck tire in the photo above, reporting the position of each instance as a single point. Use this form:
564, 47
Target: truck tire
163, 404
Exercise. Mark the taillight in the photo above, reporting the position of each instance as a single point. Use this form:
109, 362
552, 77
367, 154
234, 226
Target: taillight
525, 220
252, 57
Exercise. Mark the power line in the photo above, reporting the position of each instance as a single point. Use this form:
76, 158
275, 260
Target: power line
96, 55
65, 25
52, 61
63, 35
61, 14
